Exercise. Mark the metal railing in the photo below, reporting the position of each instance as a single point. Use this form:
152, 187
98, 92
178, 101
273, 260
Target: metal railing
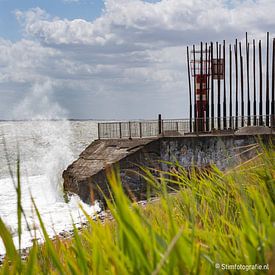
141, 129
154, 128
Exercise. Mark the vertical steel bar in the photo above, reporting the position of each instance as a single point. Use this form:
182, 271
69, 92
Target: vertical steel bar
208, 85
261, 85
219, 84
207, 95
267, 80
224, 89
230, 87
247, 79
140, 130
98, 130
212, 91
159, 124
201, 116
130, 130
254, 85
237, 85
195, 99
120, 132
190, 91
242, 95
273, 85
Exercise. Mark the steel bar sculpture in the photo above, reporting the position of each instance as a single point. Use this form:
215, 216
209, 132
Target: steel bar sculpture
242, 80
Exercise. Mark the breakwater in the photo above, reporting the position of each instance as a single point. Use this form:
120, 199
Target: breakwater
87, 175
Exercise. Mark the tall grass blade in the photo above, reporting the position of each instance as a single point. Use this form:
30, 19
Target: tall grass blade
51, 252
19, 205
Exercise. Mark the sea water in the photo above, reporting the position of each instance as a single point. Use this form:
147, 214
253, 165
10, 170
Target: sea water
44, 149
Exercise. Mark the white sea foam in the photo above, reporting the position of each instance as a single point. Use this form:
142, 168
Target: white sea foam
56, 214
45, 149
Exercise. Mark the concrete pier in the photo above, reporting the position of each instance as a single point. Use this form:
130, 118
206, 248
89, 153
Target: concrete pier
87, 173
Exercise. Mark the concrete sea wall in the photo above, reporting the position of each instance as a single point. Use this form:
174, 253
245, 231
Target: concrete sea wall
88, 174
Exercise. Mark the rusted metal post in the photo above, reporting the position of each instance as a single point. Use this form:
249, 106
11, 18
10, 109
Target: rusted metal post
230, 88
267, 81
237, 85
159, 124
219, 85
212, 91
201, 115
195, 101
261, 85
273, 85
207, 85
224, 89
247, 79
254, 85
242, 95
190, 91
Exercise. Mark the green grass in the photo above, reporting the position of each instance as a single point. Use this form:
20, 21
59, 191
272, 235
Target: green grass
213, 218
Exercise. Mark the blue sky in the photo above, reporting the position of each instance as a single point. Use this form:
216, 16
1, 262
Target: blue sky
112, 59
70, 9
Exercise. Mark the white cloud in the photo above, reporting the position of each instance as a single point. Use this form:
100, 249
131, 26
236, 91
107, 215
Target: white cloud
141, 22
132, 55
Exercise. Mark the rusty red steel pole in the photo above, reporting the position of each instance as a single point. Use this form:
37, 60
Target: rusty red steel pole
260, 85
207, 85
273, 85
190, 91
267, 81
242, 95
201, 111
195, 99
254, 85
208, 88
230, 88
237, 85
224, 89
212, 91
247, 79
219, 84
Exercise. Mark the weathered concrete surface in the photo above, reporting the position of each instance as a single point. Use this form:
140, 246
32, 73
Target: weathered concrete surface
88, 172
223, 151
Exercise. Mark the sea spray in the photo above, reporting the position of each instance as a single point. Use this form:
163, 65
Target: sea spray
46, 147
50, 139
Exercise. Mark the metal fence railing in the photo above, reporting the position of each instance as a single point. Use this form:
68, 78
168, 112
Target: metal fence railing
141, 129
153, 128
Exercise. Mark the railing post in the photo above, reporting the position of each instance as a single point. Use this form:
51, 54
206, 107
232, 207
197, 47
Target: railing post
130, 133
98, 130
159, 124
140, 130
120, 132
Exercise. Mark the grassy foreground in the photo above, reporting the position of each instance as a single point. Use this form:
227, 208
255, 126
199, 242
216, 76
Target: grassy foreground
214, 221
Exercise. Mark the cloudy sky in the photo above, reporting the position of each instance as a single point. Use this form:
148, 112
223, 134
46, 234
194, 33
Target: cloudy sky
112, 59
